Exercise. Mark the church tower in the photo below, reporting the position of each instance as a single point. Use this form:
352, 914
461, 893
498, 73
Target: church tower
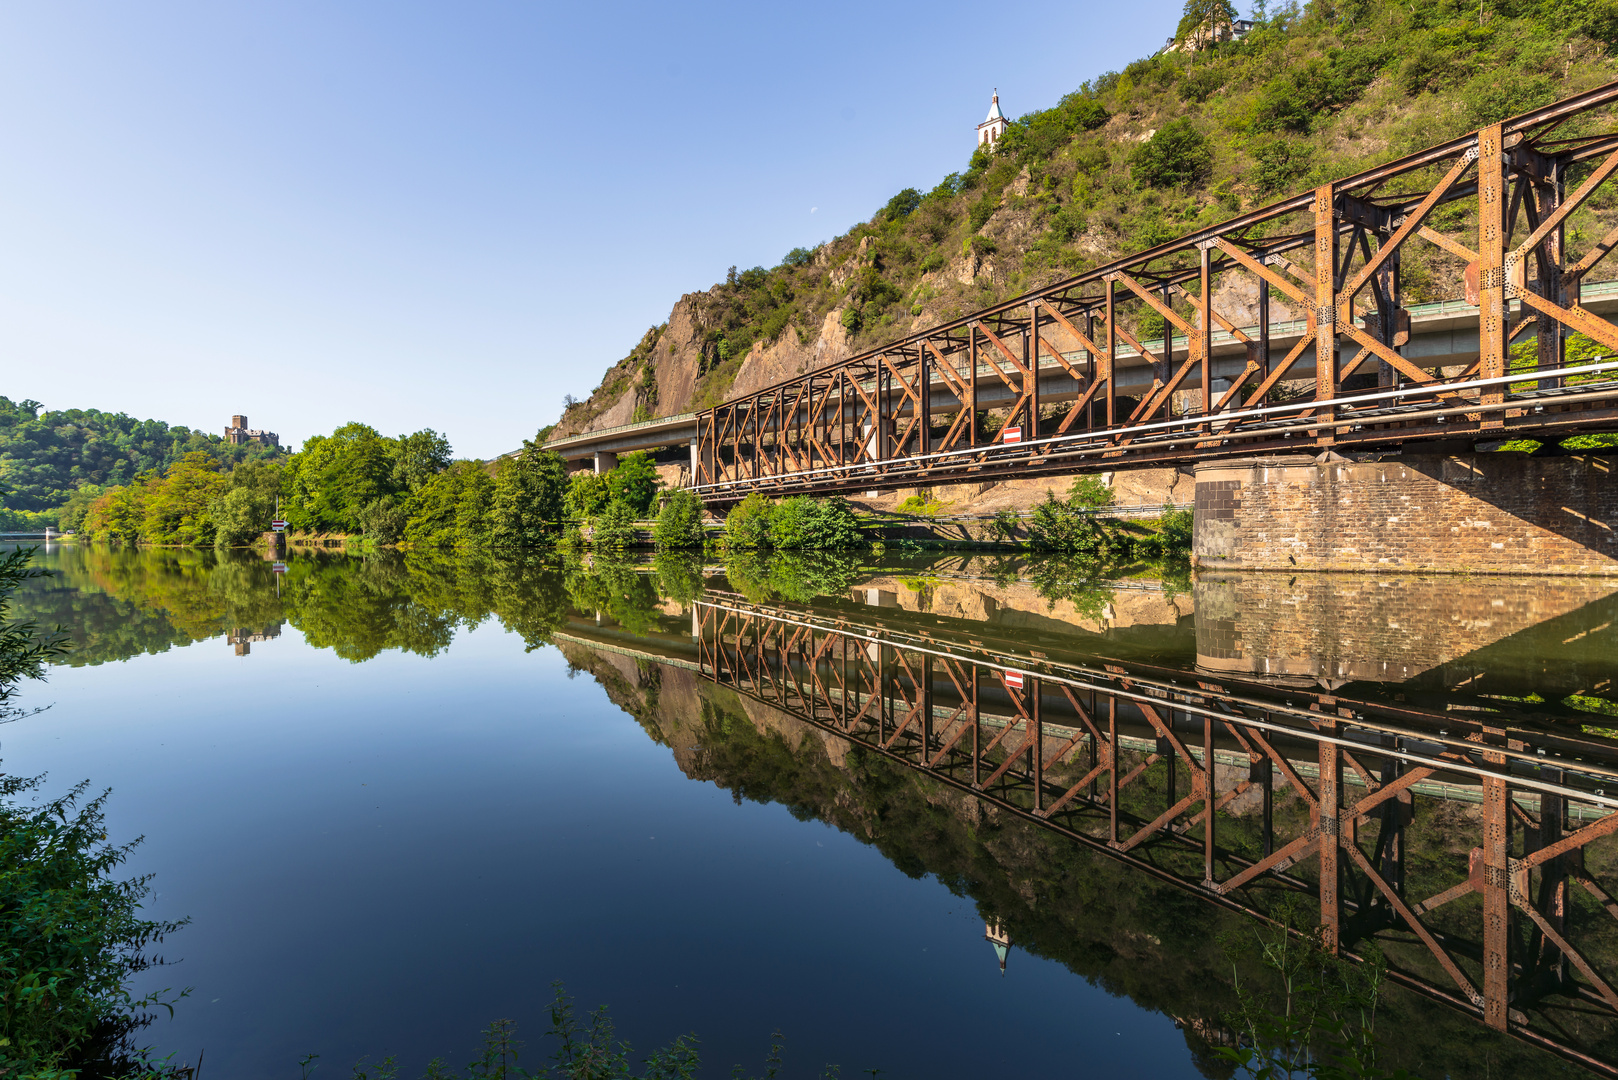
991, 129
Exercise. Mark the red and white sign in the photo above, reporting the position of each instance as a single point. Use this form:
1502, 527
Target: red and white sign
1011, 434
278, 525
279, 568
1013, 679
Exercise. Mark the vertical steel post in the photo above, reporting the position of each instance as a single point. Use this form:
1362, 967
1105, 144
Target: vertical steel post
1112, 355
1329, 830
972, 384
1093, 368
1263, 330
1496, 879
1492, 270
1552, 343
1036, 748
924, 408
1207, 741
1205, 329
1112, 750
1325, 305
1030, 348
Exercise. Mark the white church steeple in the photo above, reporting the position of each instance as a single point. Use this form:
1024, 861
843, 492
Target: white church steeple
994, 126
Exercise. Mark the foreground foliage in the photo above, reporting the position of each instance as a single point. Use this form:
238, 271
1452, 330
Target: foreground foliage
587, 1050
71, 934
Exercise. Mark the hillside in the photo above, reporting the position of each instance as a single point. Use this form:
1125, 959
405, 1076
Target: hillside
45, 457
1132, 158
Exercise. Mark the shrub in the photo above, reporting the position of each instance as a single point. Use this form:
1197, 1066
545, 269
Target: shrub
679, 522
1063, 528
802, 523
587, 495
1178, 155
901, 205
748, 523
1090, 491
1278, 163
634, 482
614, 526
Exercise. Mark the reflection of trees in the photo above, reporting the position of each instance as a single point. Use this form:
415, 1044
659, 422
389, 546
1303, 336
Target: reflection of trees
126, 602
118, 603
799, 576
615, 588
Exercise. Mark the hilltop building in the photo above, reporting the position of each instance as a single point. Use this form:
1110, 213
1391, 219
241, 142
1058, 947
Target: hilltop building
238, 432
994, 126
1234, 30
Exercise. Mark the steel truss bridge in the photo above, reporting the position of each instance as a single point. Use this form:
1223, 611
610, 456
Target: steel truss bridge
1085, 750
1496, 203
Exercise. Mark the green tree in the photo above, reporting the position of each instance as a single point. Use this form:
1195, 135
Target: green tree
176, 508
1177, 155
1203, 20
614, 527
747, 525
419, 457
634, 482
587, 495
529, 492
802, 523
335, 477
679, 522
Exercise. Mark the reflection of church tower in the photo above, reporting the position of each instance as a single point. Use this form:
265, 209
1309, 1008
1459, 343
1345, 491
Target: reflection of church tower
994, 126
994, 935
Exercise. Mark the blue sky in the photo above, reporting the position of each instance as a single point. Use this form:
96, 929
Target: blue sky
449, 216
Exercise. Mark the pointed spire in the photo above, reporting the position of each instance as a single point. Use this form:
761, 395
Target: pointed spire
994, 108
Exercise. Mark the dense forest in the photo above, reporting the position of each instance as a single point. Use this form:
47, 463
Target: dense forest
51, 458
1132, 158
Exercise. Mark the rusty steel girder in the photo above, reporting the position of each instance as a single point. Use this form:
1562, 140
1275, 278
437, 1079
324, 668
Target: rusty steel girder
1078, 387
1142, 765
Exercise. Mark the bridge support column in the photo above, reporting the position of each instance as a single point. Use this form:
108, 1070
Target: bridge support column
696, 461
1499, 513
605, 461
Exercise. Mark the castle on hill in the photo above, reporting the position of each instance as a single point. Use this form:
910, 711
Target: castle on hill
238, 432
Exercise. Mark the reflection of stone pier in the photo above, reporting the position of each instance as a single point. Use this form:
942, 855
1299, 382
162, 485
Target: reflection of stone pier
243, 639
1337, 628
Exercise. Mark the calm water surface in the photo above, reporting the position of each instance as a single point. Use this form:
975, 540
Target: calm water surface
400, 799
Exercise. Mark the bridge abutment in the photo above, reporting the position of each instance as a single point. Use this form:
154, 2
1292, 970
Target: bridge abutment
1499, 513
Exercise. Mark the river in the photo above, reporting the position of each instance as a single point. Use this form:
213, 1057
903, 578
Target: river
399, 797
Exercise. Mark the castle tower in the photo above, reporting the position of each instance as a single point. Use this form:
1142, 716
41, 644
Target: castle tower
994, 126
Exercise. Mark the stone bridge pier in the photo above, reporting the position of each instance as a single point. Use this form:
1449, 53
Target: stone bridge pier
1492, 513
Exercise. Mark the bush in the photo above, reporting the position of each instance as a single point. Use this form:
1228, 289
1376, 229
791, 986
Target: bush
802, 523
634, 482
1178, 155
615, 527
748, 523
1062, 528
679, 523
1091, 492
73, 935
587, 495
901, 205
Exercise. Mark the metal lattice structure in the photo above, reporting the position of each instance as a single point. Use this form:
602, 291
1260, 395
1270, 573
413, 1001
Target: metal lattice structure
1077, 387
1147, 767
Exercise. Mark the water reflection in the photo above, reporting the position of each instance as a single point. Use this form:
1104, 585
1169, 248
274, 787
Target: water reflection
1422, 719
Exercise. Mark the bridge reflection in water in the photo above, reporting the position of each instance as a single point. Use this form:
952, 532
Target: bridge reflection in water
1243, 791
